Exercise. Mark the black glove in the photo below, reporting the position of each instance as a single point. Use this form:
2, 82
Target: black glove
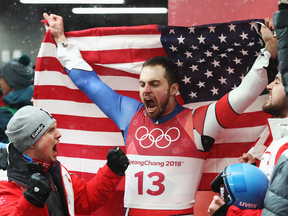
117, 161
39, 188
222, 211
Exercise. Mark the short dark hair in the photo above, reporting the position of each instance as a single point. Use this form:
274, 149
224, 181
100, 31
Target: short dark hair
172, 74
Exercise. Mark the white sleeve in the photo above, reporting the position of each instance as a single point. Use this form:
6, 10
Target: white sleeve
70, 57
241, 97
252, 85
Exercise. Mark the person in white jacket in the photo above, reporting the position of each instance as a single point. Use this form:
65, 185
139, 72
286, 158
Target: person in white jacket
276, 105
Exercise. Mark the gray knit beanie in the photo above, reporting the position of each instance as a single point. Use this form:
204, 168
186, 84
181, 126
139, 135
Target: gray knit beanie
18, 73
27, 126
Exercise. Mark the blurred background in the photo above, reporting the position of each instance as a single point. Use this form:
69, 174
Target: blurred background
21, 30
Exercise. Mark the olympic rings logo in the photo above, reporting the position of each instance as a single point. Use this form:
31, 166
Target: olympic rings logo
158, 138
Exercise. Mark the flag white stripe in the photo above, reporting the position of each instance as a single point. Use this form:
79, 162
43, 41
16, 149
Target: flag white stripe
91, 138
216, 165
114, 82
81, 164
134, 68
58, 78
70, 108
115, 42
238, 135
252, 108
47, 50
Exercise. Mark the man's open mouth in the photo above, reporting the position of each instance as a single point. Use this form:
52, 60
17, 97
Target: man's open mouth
150, 104
55, 148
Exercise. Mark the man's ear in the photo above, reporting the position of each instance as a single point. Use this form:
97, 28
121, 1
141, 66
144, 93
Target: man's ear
174, 88
29, 151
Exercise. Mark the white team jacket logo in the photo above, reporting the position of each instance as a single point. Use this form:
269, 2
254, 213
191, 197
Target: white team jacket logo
152, 139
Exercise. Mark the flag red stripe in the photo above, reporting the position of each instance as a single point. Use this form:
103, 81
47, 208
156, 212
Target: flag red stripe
85, 123
206, 180
251, 119
121, 56
85, 151
228, 150
48, 38
106, 31
49, 64
88, 176
105, 71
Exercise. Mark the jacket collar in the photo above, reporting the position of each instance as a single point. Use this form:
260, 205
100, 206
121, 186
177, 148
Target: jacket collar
17, 170
278, 127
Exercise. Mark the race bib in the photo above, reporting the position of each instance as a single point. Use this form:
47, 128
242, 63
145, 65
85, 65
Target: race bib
162, 182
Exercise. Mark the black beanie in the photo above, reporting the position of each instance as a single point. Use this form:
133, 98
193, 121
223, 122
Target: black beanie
18, 73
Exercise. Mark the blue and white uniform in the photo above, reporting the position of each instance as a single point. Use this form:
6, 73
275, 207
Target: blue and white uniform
166, 155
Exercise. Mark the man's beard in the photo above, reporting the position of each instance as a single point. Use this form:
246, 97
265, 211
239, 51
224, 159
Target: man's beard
276, 110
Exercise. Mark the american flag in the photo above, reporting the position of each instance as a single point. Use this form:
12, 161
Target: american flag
212, 60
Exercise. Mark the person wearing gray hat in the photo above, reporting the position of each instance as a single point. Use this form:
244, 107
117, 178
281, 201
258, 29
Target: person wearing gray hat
39, 183
16, 82
28, 126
